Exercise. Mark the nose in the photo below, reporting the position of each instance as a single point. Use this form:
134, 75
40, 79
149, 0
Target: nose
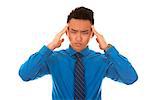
78, 37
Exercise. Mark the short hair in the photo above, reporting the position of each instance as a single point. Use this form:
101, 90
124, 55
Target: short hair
82, 13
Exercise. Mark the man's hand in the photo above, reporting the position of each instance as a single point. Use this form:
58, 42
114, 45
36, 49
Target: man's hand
100, 39
56, 41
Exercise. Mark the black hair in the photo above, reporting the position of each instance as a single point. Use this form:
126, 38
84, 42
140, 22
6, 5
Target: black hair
82, 13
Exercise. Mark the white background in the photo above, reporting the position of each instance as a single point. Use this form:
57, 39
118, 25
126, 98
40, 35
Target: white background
27, 25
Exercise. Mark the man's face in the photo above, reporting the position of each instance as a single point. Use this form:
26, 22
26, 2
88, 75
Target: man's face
79, 33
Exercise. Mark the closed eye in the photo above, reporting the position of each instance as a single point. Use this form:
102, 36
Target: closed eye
85, 32
73, 31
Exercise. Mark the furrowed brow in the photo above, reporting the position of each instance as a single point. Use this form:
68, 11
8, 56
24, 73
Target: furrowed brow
74, 30
85, 31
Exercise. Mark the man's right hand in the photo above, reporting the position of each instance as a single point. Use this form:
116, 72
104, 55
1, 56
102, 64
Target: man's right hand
57, 40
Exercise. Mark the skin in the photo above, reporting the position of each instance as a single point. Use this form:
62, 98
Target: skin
79, 33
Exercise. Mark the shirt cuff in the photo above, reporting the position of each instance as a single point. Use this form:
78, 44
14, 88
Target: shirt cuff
112, 51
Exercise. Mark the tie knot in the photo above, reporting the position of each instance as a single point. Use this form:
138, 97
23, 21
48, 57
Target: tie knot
78, 55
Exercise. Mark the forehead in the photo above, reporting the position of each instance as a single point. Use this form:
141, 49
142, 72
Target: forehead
79, 24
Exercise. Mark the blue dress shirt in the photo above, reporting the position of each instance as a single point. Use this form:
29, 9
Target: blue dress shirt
60, 64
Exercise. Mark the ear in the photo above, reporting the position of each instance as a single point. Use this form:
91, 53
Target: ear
67, 31
92, 34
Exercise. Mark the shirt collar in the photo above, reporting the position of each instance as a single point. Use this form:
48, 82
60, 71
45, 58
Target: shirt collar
84, 52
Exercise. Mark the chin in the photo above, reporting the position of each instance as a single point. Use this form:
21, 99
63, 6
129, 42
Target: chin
78, 47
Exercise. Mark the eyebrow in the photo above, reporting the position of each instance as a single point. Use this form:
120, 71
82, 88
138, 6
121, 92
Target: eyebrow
73, 29
85, 31
81, 31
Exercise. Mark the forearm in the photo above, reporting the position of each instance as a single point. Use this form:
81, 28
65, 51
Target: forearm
35, 66
122, 66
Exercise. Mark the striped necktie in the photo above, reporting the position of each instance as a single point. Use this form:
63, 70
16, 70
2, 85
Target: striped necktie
79, 79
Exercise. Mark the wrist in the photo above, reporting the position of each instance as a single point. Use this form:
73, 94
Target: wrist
108, 46
51, 46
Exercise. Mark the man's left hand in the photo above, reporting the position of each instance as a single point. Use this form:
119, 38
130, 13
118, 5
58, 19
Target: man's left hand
100, 39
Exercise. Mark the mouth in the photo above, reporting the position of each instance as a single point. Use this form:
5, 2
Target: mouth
78, 44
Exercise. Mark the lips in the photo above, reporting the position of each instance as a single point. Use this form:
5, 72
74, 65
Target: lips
78, 44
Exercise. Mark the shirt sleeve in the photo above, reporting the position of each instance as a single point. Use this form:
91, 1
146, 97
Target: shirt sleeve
119, 68
36, 65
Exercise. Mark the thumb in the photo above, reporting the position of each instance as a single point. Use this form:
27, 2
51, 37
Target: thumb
97, 40
62, 40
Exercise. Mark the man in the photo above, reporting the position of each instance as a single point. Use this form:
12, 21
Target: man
77, 72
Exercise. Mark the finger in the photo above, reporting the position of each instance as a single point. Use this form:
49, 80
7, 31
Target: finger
63, 30
62, 40
94, 31
97, 40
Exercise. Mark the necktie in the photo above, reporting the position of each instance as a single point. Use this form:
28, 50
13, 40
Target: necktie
79, 79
